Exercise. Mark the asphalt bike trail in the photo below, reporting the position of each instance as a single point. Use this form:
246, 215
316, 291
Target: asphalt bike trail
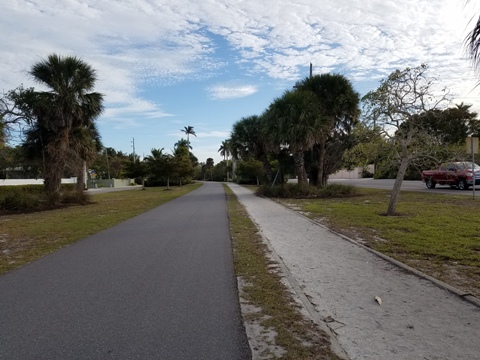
158, 286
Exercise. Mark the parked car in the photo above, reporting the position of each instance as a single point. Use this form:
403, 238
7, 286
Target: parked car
460, 174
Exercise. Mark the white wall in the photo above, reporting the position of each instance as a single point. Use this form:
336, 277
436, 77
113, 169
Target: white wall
354, 174
4, 182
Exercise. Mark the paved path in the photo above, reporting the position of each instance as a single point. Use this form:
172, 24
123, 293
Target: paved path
158, 286
417, 319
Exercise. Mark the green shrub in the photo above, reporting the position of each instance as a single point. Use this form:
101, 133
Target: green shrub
17, 189
75, 197
296, 191
338, 190
33, 197
20, 201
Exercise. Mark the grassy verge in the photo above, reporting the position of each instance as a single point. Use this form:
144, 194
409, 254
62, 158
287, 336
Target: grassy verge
26, 237
276, 309
438, 234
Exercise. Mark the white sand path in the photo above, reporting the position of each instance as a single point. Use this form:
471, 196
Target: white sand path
416, 320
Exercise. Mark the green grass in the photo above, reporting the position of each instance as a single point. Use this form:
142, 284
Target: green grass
439, 234
26, 237
299, 337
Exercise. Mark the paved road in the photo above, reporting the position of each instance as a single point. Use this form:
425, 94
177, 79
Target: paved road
158, 286
417, 319
407, 185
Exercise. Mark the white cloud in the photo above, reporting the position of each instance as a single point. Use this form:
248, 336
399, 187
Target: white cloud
222, 92
214, 134
137, 43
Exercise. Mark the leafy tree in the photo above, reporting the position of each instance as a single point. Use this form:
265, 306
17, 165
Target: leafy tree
137, 169
68, 105
117, 163
369, 147
209, 167
451, 126
104, 161
293, 121
395, 106
250, 171
339, 106
14, 165
184, 168
182, 146
169, 168
14, 110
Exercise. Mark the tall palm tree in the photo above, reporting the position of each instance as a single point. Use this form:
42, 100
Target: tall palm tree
294, 121
224, 151
339, 104
188, 130
68, 104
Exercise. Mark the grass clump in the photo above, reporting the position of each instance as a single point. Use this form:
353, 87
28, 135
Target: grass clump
297, 191
298, 337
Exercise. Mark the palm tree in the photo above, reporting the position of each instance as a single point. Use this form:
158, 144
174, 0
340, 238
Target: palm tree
66, 106
294, 121
224, 151
182, 143
85, 143
473, 44
339, 104
248, 140
188, 130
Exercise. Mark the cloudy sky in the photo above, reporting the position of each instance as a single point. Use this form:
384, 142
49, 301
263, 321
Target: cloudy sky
166, 64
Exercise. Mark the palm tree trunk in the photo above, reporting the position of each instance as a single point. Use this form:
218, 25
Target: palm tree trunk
300, 168
321, 179
54, 167
267, 166
82, 169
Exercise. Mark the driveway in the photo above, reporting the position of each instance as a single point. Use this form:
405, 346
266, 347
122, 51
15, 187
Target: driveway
416, 318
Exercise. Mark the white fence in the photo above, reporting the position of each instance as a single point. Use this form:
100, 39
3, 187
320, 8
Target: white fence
4, 182
113, 183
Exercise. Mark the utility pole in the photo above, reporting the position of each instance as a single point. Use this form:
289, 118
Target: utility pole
311, 70
108, 166
133, 145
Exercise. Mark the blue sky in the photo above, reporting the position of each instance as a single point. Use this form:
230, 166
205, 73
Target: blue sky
166, 64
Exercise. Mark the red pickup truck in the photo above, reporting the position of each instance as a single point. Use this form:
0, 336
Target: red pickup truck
454, 174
